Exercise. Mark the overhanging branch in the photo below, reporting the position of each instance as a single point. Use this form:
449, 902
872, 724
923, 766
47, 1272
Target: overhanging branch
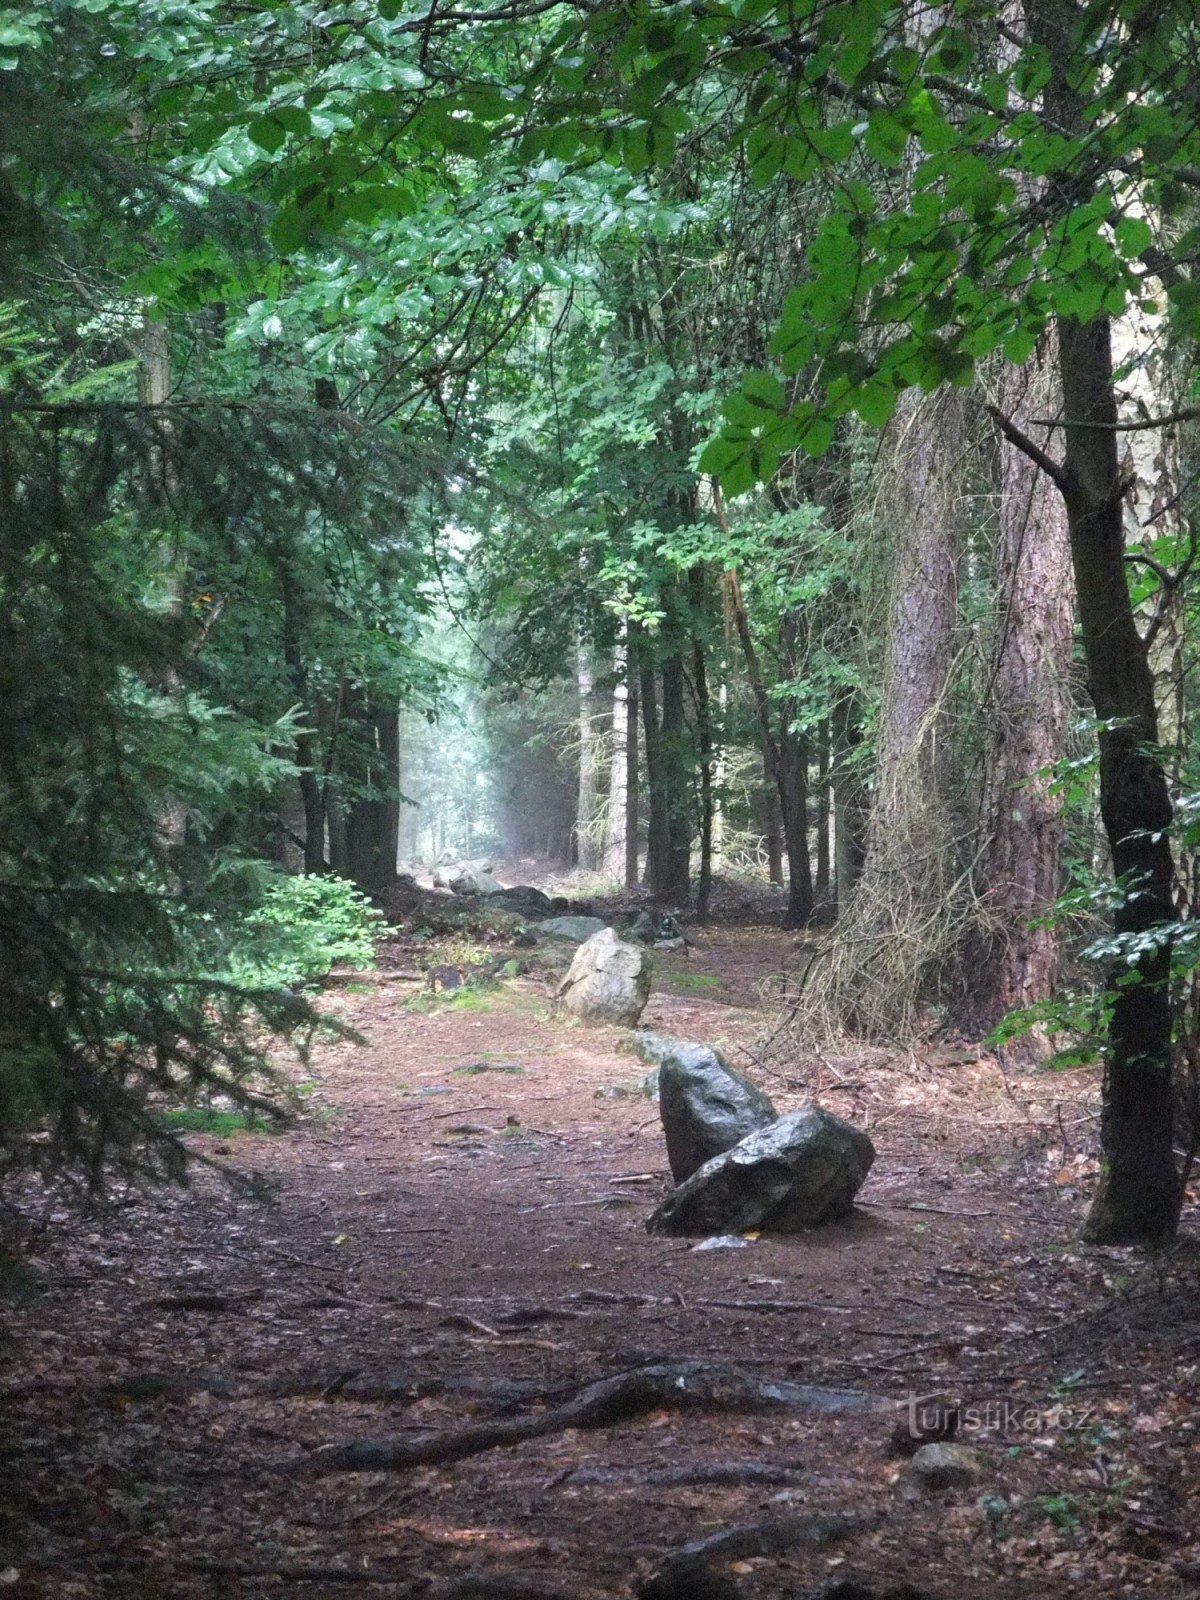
1053, 469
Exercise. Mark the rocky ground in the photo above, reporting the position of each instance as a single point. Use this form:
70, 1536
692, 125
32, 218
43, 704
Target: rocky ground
456, 1248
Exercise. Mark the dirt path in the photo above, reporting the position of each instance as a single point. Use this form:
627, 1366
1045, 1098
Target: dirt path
453, 1239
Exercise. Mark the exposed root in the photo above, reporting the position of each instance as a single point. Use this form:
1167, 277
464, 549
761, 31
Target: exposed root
689, 1574
686, 1385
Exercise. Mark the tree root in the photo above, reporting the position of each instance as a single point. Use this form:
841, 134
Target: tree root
467, 1586
690, 1573
723, 1474
686, 1385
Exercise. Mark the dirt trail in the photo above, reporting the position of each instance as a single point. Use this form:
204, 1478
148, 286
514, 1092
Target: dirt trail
457, 1238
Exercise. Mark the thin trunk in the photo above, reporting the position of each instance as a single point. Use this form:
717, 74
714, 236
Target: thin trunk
850, 803
657, 843
311, 794
704, 736
677, 773
772, 829
618, 767
632, 775
587, 846
1139, 1196
788, 773
793, 795
821, 882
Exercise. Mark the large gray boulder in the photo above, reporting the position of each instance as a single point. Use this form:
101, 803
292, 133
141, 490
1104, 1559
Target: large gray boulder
797, 1172
473, 880
706, 1107
607, 981
524, 899
577, 929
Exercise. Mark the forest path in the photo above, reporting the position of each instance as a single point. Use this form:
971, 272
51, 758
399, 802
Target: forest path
442, 1234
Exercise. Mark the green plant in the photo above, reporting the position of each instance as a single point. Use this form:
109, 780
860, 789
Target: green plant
302, 928
222, 1124
1063, 1510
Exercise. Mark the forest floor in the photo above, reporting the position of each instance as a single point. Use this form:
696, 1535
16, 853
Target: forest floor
457, 1235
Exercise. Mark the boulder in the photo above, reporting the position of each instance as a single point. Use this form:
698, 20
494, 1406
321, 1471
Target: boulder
803, 1169
577, 929
473, 880
524, 899
706, 1107
608, 980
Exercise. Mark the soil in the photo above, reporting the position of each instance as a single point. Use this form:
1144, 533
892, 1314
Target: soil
471, 1243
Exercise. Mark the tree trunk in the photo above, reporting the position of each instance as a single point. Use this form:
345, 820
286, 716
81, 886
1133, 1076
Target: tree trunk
657, 842
372, 824
677, 774
1139, 1195
632, 775
821, 880
1013, 962
793, 799
772, 830
850, 805
705, 740
588, 853
898, 936
618, 768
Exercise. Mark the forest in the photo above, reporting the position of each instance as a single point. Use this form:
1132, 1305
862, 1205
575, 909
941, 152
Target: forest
597, 622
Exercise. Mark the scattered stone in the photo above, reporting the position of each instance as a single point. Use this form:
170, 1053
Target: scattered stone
653, 1048
706, 1107
944, 1466
722, 1241
577, 929
802, 1170
649, 1085
925, 1419
471, 1069
441, 979
512, 968
608, 980
657, 928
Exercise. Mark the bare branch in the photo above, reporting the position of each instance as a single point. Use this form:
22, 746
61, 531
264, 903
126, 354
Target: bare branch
1025, 444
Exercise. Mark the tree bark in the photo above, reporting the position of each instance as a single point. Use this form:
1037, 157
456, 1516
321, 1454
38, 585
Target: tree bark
618, 768
657, 842
704, 739
897, 936
1014, 961
1139, 1195
311, 794
676, 884
850, 804
632, 775
821, 879
793, 802
372, 824
588, 854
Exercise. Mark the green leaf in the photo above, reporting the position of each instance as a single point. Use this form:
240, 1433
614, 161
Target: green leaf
875, 403
1133, 235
